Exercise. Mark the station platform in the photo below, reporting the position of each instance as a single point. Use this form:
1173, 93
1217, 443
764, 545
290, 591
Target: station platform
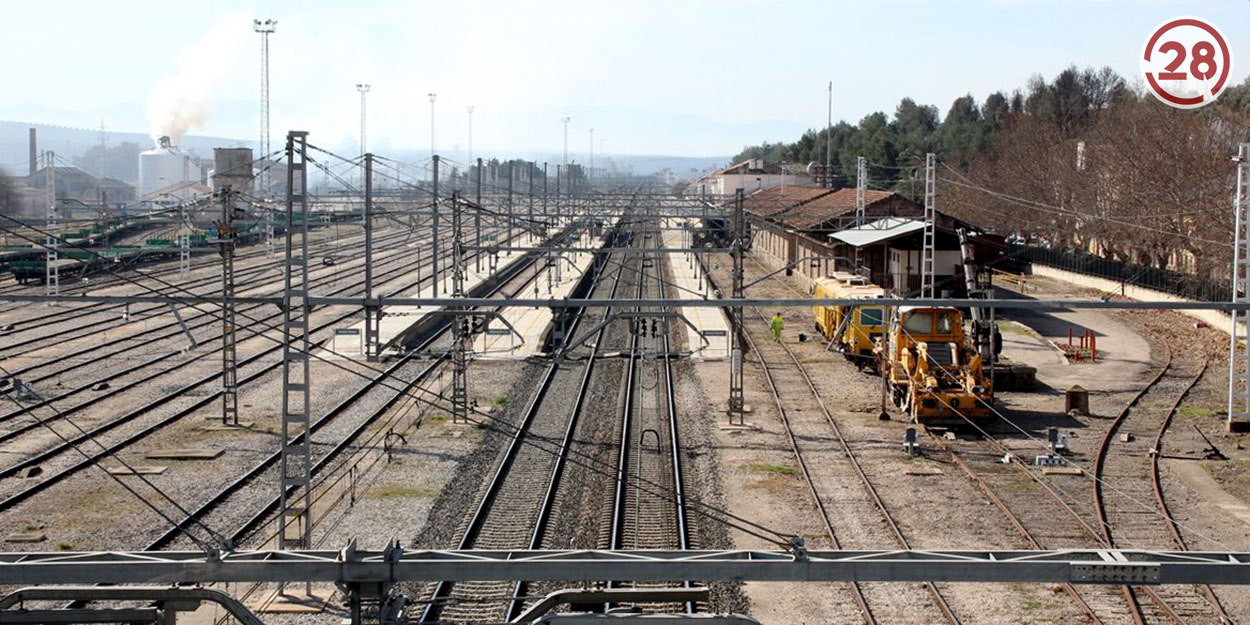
347, 341
532, 324
709, 338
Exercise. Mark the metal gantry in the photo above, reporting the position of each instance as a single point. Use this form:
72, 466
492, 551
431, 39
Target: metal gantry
1238, 347
930, 227
352, 566
372, 311
229, 356
52, 269
736, 400
295, 515
461, 323
434, 251
861, 188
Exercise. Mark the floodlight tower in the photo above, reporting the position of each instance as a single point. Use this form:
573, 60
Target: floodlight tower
433, 98
363, 88
265, 28
566, 121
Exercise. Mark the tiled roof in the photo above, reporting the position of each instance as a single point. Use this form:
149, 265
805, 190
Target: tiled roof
771, 201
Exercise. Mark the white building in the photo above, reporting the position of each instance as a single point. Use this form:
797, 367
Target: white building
750, 175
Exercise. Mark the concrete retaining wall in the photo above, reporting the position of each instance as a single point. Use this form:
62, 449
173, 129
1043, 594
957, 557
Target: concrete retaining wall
1214, 318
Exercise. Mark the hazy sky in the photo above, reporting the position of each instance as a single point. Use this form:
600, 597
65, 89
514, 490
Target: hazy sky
672, 77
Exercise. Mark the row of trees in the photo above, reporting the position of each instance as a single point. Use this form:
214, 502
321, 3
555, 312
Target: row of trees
1083, 161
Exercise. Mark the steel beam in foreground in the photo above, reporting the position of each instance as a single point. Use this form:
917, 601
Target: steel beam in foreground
348, 566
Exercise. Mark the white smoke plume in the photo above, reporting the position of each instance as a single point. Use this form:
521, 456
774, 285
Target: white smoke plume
179, 102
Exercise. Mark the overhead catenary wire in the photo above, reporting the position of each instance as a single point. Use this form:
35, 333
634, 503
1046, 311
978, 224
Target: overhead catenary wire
221, 544
1044, 446
707, 510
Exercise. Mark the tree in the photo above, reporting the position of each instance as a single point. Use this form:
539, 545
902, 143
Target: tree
120, 161
10, 203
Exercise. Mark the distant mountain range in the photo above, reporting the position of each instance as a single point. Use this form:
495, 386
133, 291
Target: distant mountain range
68, 142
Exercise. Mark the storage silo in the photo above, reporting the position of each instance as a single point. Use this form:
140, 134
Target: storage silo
163, 166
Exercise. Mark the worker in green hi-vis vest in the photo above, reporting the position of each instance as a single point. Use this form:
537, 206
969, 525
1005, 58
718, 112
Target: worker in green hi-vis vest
777, 324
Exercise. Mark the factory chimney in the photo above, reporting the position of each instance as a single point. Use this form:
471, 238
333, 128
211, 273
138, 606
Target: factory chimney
34, 156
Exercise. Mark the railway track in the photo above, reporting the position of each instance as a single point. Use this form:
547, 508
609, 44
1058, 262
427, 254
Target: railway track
324, 466
649, 442
34, 424
48, 333
1135, 514
184, 401
1007, 488
206, 319
394, 263
1014, 488
517, 502
812, 439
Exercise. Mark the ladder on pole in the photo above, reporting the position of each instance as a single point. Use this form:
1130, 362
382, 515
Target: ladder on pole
52, 270
296, 484
461, 322
861, 187
229, 356
737, 402
1238, 349
930, 224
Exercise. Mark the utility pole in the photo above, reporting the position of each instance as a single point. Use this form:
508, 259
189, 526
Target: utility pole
1238, 348
460, 322
590, 171
434, 248
861, 188
229, 356
930, 221
433, 98
529, 175
265, 29
363, 88
829, 141
545, 214
477, 219
511, 221
52, 272
371, 310
470, 109
295, 516
736, 401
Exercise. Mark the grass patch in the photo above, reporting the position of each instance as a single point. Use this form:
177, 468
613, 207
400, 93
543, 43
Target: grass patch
501, 400
436, 418
30, 527
1187, 410
400, 491
1031, 605
65, 546
773, 468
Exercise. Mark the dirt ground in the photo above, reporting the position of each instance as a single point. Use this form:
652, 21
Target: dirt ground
935, 505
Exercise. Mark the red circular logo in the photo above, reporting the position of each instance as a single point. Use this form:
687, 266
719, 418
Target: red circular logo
1186, 62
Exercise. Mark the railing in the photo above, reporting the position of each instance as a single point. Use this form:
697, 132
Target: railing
1173, 282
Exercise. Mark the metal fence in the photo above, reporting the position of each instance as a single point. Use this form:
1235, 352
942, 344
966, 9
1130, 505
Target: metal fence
1173, 282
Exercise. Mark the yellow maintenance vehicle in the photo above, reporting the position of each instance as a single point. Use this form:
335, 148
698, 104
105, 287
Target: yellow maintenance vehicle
852, 330
933, 370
